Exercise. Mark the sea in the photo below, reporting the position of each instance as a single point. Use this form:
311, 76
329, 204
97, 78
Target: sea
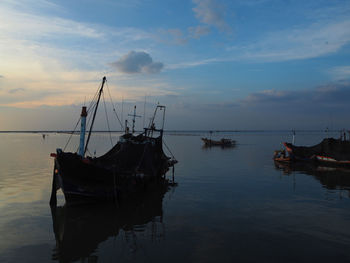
231, 204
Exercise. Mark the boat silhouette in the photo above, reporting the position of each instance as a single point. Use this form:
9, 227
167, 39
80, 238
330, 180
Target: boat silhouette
131, 164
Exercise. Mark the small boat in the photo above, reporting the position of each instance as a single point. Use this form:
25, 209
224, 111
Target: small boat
330, 152
223, 142
130, 165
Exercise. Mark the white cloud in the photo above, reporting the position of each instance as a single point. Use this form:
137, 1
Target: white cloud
44, 55
191, 64
31, 5
21, 25
138, 62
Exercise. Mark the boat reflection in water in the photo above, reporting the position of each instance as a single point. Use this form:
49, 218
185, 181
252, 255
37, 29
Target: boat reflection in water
223, 143
80, 229
335, 178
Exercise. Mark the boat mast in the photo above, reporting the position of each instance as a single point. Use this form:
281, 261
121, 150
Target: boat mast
144, 113
134, 119
93, 118
82, 130
151, 127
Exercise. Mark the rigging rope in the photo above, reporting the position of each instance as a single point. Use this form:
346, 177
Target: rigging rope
109, 129
70, 137
90, 116
93, 101
168, 149
115, 112
89, 152
141, 159
92, 105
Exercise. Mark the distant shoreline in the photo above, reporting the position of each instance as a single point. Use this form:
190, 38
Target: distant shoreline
176, 131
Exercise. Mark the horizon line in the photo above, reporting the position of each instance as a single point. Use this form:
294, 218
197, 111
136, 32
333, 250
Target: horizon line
180, 130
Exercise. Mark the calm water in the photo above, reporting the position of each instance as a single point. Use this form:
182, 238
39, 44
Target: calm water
230, 205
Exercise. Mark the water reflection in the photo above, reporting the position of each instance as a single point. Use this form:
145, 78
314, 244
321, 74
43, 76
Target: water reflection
221, 146
208, 147
80, 230
329, 177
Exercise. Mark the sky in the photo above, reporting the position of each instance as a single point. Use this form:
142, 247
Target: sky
215, 64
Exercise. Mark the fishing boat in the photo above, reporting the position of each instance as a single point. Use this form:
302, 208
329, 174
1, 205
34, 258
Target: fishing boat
329, 152
223, 142
130, 165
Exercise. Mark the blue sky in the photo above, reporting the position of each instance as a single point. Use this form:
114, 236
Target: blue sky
216, 64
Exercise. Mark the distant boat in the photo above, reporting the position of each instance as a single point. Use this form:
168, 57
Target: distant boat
129, 166
222, 142
330, 152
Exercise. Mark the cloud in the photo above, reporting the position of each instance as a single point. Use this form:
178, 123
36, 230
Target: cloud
212, 13
137, 62
320, 99
316, 40
191, 64
312, 108
198, 31
12, 91
32, 26
36, 37
177, 36
43, 52
340, 73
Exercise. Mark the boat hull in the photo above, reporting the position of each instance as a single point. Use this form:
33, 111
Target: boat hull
126, 169
87, 183
330, 152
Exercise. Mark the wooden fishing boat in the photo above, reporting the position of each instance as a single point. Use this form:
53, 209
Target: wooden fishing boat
329, 152
130, 165
222, 142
